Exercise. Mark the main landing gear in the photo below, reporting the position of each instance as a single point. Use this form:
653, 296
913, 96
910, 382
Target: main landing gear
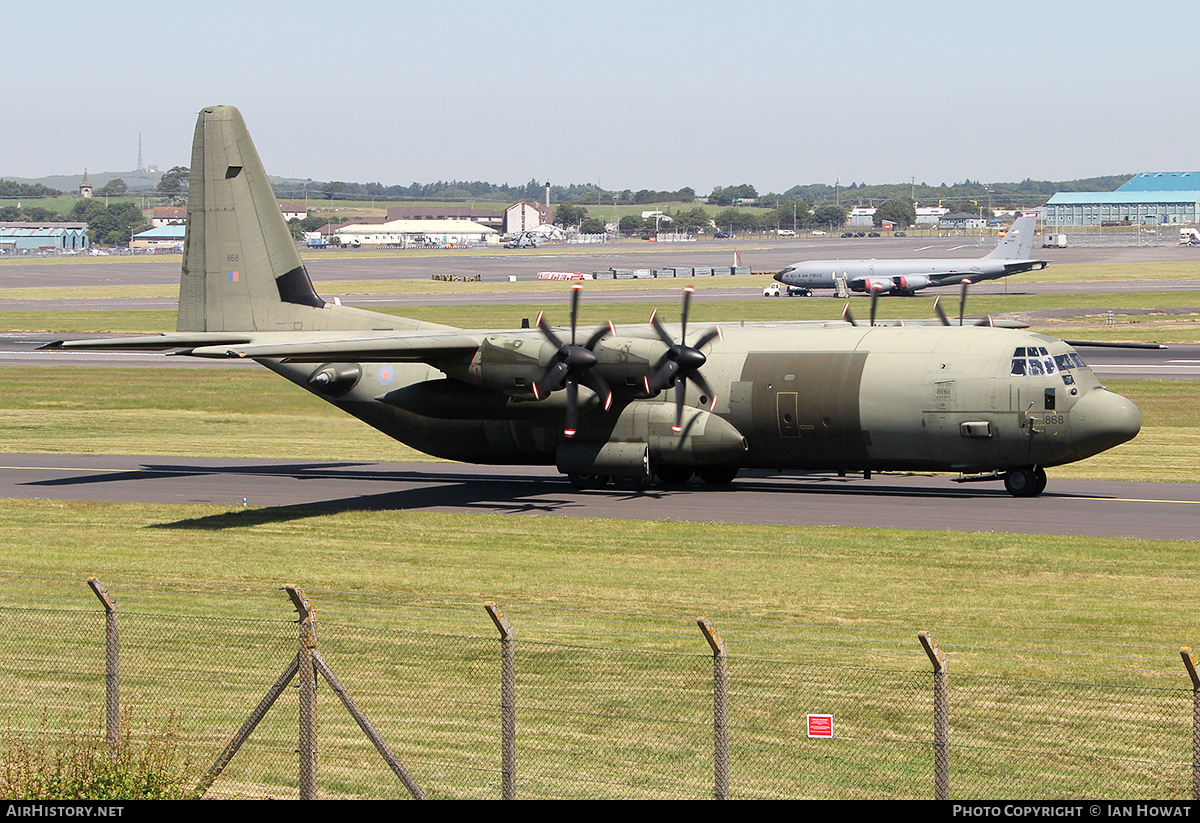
1028, 481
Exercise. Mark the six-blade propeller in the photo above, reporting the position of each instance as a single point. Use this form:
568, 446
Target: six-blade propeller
572, 366
682, 362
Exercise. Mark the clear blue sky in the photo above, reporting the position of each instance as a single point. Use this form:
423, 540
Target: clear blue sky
630, 94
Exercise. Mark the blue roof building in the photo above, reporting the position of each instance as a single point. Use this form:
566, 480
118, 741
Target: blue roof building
27, 237
1150, 198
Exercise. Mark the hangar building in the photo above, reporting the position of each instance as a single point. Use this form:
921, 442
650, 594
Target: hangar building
1150, 198
27, 237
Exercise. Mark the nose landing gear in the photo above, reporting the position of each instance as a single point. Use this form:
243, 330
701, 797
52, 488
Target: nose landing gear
1028, 481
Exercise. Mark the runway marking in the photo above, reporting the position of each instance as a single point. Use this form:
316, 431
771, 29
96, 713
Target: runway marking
1138, 366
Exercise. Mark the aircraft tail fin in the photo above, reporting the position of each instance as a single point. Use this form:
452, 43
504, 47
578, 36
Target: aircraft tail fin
1017, 244
241, 269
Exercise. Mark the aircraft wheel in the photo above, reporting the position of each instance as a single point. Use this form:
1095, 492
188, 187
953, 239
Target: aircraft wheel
1029, 481
718, 475
632, 482
674, 475
587, 482
1039, 475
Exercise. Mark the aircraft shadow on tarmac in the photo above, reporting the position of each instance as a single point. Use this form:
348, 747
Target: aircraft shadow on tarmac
522, 494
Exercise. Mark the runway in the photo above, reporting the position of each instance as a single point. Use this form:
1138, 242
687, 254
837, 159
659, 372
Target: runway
289, 490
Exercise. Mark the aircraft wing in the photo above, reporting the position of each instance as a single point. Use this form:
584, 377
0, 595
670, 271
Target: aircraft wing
155, 342
297, 347
410, 348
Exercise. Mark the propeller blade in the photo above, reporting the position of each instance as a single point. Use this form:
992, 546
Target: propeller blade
598, 335
847, 316
574, 309
572, 424
680, 394
551, 380
704, 388
662, 333
663, 377
687, 300
874, 303
600, 386
962, 301
708, 337
549, 334
941, 314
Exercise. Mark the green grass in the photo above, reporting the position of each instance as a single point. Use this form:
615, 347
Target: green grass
1133, 313
815, 619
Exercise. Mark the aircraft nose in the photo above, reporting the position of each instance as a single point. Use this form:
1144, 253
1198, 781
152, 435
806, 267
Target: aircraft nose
779, 275
1102, 419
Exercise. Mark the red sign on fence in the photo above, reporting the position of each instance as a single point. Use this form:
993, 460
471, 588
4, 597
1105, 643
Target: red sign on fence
820, 725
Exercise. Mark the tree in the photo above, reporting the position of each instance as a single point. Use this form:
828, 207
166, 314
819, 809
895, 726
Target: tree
900, 211
591, 226
174, 181
113, 188
694, 219
568, 214
111, 225
333, 188
832, 216
630, 224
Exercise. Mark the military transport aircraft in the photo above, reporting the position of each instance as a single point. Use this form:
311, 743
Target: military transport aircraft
906, 277
989, 403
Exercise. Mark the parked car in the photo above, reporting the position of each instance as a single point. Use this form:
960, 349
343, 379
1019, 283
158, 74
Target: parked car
723, 235
772, 290
899, 234
873, 234
847, 234
785, 232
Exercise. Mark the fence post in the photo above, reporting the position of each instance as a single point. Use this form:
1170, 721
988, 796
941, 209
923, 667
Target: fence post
112, 663
941, 718
508, 704
1189, 662
720, 710
308, 692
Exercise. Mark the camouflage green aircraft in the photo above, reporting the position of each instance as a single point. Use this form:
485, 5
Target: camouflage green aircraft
632, 402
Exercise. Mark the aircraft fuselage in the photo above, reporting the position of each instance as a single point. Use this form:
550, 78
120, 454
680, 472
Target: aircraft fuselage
900, 276
823, 397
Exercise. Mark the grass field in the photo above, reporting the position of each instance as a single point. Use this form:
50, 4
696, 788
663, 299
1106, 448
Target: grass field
829, 615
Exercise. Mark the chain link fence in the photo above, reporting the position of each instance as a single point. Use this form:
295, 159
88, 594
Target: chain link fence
571, 715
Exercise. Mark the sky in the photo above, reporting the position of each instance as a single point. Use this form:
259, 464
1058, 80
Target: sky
630, 95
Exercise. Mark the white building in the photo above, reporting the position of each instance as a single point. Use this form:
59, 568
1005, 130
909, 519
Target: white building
404, 233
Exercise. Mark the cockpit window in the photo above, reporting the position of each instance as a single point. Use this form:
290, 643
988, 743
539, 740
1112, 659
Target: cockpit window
1036, 360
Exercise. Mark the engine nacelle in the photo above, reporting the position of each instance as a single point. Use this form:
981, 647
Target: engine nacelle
912, 282
510, 363
870, 284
